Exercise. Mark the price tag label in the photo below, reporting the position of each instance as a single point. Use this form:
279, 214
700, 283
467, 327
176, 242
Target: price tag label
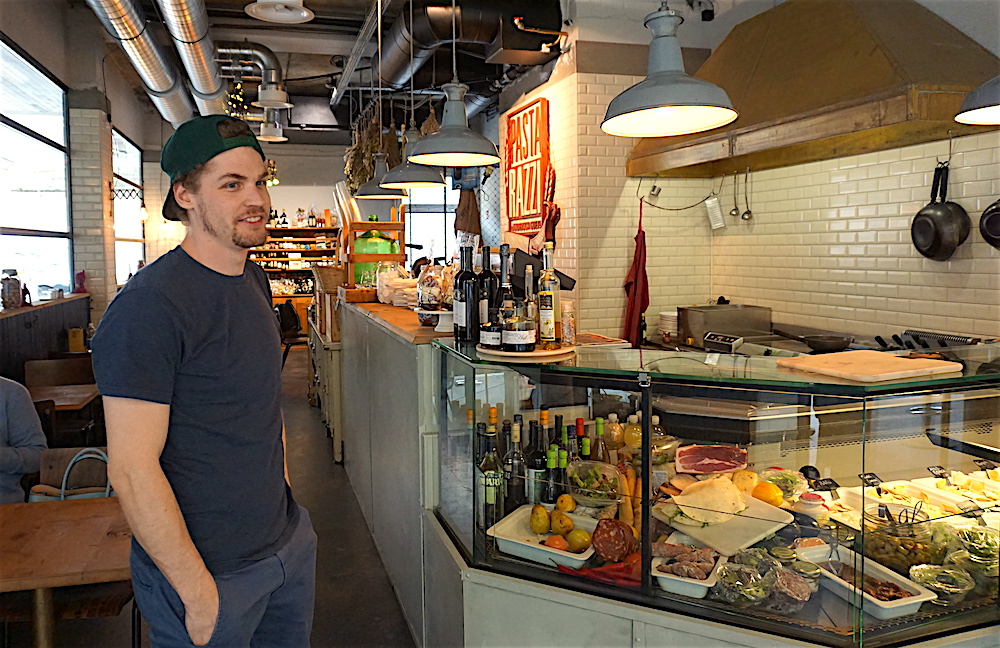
938, 471
825, 484
972, 510
870, 479
984, 464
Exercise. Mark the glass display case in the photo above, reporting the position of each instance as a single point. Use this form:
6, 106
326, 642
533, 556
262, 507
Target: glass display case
735, 491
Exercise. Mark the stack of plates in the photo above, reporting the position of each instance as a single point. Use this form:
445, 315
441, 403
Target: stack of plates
668, 323
406, 298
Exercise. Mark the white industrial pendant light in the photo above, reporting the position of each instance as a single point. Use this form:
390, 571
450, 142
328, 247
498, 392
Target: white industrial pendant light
982, 106
289, 12
271, 129
668, 101
455, 144
407, 175
371, 189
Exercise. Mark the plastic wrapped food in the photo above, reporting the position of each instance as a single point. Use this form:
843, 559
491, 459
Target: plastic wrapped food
759, 559
791, 482
430, 288
613, 540
982, 543
739, 585
985, 573
789, 592
949, 583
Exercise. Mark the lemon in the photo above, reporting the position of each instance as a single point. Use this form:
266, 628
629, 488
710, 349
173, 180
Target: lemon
768, 492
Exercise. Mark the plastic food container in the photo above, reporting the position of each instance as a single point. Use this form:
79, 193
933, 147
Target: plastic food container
949, 583
686, 586
984, 499
594, 483
514, 536
869, 604
986, 574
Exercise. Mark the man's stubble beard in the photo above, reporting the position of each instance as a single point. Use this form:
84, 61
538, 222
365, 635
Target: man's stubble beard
239, 240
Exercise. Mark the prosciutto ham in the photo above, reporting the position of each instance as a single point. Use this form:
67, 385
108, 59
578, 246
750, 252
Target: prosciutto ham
708, 459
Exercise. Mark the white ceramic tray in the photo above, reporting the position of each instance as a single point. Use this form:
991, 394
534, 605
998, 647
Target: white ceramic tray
751, 525
983, 500
980, 476
869, 604
687, 586
514, 537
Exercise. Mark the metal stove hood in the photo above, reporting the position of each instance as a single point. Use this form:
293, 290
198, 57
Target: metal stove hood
821, 79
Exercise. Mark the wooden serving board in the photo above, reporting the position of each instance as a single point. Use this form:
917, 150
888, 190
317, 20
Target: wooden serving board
868, 366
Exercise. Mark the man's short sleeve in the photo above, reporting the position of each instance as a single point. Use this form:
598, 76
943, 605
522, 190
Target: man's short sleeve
138, 347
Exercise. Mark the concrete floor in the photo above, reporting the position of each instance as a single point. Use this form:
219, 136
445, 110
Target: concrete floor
355, 603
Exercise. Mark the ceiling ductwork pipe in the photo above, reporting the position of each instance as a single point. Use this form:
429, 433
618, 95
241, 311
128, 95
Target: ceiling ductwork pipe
187, 22
272, 92
475, 23
126, 22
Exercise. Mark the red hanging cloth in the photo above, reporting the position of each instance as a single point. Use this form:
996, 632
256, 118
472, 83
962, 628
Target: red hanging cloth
636, 288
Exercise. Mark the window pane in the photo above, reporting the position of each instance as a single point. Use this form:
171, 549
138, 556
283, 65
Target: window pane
28, 97
128, 214
39, 261
430, 199
126, 159
32, 183
434, 231
128, 254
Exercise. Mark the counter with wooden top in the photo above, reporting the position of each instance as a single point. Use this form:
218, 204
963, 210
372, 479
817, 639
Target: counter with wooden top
400, 321
11, 312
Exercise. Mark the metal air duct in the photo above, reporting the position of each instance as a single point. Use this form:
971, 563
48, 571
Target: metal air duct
187, 22
126, 22
272, 92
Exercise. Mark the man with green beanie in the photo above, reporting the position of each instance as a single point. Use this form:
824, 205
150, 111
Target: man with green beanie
188, 359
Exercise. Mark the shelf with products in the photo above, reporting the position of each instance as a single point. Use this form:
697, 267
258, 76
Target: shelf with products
729, 472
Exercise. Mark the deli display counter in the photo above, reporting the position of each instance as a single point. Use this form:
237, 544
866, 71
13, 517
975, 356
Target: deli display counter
629, 497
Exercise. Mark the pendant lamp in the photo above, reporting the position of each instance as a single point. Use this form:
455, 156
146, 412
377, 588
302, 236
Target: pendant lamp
982, 106
289, 12
668, 101
412, 176
371, 189
407, 175
455, 144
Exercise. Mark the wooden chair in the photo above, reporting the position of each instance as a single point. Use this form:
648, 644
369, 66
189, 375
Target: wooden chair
291, 328
78, 601
64, 371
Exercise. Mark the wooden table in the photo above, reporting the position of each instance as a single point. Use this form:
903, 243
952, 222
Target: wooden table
57, 544
66, 397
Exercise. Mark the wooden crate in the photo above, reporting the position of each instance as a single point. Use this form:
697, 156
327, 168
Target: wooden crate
352, 295
328, 282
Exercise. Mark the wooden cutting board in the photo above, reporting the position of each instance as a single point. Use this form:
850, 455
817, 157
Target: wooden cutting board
868, 366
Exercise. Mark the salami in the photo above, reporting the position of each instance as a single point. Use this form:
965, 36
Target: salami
613, 540
789, 595
708, 459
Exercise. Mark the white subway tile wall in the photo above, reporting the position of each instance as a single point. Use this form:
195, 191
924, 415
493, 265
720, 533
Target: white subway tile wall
161, 235
828, 245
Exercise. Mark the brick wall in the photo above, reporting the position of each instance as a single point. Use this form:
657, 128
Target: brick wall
161, 235
93, 210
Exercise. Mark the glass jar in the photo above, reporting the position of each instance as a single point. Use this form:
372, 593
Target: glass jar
809, 571
568, 323
900, 546
784, 555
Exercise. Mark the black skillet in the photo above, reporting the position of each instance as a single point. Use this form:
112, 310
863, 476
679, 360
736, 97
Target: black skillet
989, 225
820, 343
940, 226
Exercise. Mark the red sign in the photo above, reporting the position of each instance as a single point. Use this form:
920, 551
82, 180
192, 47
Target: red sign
525, 167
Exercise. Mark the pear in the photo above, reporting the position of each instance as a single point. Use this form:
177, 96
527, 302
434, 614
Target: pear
539, 520
561, 524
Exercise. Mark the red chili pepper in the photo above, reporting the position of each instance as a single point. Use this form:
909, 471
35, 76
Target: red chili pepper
604, 575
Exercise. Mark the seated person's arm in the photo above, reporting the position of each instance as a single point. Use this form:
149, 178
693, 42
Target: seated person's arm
137, 432
25, 438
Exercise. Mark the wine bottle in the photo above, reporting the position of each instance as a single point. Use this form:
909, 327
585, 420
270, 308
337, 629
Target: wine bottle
548, 302
556, 430
518, 331
550, 492
600, 450
505, 296
535, 463
585, 449
503, 439
489, 284
489, 483
466, 301
514, 472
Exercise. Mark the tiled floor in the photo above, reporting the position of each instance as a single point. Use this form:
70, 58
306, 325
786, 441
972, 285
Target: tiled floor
355, 603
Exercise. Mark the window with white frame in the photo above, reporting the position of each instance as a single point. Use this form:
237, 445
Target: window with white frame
430, 222
35, 235
130, 213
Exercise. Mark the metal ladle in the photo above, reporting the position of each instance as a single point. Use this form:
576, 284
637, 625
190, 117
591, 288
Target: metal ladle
735, 211
747, 215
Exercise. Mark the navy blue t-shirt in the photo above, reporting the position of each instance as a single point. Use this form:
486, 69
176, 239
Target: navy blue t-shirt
208, 345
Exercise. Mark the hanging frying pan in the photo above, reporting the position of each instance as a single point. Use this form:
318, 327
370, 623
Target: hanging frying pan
989, 225
939, 227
